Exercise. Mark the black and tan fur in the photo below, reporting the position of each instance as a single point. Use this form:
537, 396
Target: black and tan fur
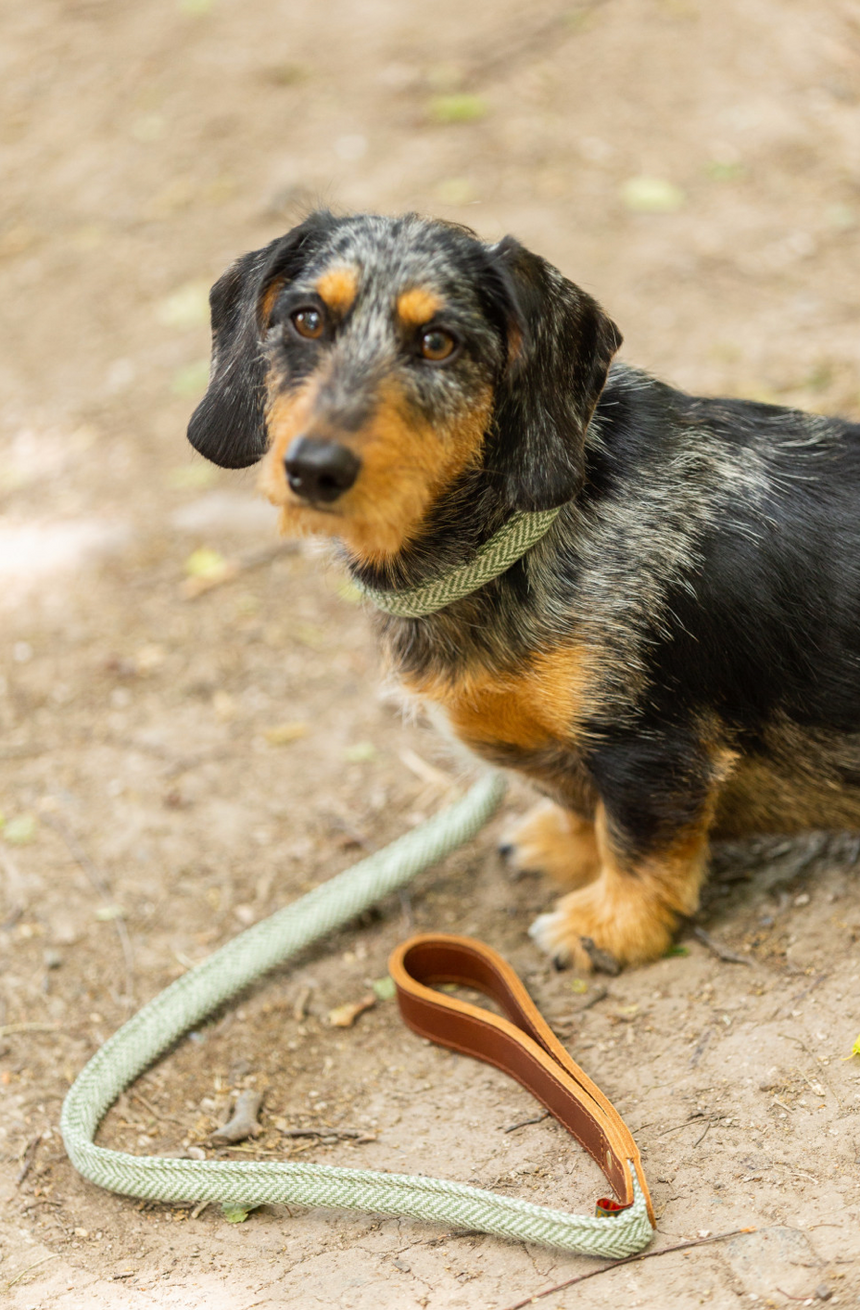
679, 657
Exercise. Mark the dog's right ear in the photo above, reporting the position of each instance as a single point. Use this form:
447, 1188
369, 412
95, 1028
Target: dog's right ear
229, 424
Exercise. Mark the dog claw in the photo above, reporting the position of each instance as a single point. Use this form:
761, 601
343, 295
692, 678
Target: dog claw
601, 961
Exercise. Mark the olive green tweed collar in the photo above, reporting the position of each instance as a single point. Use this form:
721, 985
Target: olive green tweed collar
509, 544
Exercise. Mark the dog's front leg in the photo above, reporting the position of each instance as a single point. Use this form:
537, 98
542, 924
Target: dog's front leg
633, 905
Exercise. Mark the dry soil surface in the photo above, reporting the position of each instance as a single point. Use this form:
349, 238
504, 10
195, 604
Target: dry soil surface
697, 167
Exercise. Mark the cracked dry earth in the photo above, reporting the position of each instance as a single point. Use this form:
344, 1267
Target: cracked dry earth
174, 767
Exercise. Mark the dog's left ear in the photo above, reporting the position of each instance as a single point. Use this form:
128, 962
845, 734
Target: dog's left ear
560, 345
229, 424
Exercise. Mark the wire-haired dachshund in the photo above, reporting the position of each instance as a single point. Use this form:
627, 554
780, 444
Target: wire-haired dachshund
677, 658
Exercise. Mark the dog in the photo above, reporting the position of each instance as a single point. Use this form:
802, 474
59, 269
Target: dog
675, 659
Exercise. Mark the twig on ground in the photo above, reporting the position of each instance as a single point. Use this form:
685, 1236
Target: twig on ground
523, 1123
722, 952
99, 885
426, 772
600, 994
342, 1135
300, 1005
783, 1011
198, 1209
27, 1158
628, 1260
243, 1121
701, 1138
154, 1111
498, 57
175, 764
819, 1071
691, 1120
23, 751
9, 1028
231, 569
700, 1048
55, 1255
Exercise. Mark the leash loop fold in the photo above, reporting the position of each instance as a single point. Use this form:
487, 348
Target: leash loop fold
240, 962
522, 1045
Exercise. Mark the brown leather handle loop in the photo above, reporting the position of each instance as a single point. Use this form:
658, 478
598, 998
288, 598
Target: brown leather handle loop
521, 1045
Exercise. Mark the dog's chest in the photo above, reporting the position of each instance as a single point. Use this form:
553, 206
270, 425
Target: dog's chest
523, 710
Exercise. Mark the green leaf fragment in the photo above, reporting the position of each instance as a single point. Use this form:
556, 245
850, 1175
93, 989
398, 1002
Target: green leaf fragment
236, 1214
205, 563
384, 989
361, 753
20, 831
652, 195
459, 108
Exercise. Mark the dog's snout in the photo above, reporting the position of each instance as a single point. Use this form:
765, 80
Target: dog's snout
320, 470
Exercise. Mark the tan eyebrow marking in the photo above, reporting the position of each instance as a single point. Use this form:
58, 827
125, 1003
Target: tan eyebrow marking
338, 288
418, 305
271, 295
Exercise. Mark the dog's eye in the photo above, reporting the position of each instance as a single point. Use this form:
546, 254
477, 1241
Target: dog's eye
437, 345
308, 323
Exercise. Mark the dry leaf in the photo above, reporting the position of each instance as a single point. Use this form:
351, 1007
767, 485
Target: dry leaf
284, 733
344, 1016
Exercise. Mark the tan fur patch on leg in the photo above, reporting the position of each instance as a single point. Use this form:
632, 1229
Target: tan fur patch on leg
555, 841
632, 908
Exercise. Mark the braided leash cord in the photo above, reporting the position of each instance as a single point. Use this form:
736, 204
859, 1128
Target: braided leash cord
197, 993
509, 544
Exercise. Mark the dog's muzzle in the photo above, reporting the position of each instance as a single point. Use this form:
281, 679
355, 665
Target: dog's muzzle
320, 470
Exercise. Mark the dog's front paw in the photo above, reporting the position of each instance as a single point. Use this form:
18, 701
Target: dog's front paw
554, 841
604, 925
548, 932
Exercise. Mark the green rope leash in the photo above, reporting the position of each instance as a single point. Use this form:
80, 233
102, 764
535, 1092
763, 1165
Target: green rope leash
510, 543
197, 993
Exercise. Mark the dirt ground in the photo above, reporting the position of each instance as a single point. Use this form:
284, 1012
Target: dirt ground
695, 166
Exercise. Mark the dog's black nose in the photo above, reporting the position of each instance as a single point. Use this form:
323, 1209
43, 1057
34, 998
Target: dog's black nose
320, 470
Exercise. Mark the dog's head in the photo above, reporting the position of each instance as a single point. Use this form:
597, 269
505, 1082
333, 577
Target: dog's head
371, 362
